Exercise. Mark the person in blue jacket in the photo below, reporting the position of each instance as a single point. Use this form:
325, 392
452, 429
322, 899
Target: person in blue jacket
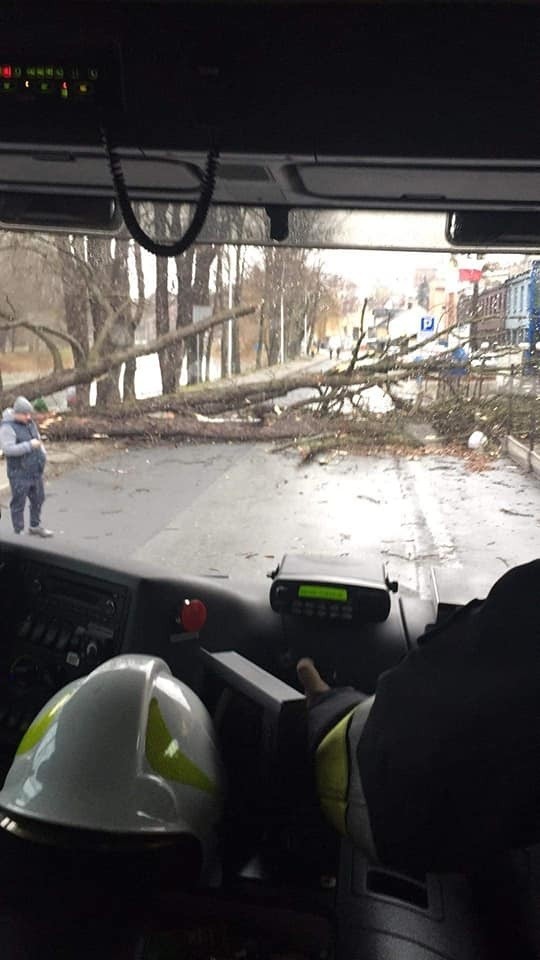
25, 455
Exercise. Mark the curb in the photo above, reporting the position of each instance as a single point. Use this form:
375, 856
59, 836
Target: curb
522, 455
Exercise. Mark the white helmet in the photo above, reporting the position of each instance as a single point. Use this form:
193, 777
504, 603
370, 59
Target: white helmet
128, 750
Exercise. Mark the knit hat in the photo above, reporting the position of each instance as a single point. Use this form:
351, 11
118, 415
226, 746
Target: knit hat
22, 405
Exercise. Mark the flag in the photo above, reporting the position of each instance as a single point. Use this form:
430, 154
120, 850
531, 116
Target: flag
470, 276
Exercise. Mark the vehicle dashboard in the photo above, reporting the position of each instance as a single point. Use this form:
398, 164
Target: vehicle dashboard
62, 617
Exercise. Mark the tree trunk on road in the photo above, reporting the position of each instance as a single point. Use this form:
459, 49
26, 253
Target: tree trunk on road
180, 427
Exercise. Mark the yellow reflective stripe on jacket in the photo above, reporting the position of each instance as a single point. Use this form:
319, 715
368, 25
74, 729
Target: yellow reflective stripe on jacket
332, 773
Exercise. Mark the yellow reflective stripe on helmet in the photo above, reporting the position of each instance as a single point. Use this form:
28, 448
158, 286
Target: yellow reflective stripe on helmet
41, 724
332, 773
165, 757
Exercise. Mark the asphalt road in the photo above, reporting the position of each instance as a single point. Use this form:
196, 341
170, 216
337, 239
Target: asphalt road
233, 510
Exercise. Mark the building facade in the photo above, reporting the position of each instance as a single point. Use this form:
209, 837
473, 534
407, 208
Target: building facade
517, 306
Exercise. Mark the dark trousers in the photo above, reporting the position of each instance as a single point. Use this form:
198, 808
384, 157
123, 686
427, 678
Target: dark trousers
23, 488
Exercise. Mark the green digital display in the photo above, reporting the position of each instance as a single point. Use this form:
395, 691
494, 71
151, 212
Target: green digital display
312, 591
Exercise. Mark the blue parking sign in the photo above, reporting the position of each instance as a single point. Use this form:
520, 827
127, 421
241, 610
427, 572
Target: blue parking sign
427, 324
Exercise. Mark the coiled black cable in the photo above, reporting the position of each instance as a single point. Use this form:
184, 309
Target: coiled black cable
199, 217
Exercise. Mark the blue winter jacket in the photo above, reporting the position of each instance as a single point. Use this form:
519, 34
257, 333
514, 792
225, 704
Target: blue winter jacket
15, 437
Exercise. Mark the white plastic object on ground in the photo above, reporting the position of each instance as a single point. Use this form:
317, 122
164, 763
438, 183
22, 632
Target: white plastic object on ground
477, 440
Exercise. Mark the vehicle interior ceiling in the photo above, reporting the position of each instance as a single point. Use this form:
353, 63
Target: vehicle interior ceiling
376, 106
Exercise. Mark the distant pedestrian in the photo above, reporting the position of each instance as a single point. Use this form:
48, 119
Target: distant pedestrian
25, 456
334, 344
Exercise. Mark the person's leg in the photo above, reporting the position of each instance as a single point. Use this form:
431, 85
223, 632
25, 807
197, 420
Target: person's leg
36, 495
19, 492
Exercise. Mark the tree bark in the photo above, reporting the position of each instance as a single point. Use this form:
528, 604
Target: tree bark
100, 261
204, 257
75, 292
136, 317
182, 427
169, 377
236, 361
260, 339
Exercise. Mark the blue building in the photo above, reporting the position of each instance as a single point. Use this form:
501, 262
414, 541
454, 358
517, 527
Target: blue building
517, 307
523, 310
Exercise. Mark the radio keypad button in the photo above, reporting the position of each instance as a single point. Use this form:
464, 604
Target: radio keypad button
64, 637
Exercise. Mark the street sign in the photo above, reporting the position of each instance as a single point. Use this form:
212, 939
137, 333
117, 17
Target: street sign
427, 325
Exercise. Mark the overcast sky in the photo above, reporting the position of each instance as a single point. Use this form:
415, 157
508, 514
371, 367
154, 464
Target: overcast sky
372, 268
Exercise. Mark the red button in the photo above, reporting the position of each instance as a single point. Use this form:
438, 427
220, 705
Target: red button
193, 615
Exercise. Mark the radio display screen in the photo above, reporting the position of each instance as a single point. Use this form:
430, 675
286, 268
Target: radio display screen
314, 591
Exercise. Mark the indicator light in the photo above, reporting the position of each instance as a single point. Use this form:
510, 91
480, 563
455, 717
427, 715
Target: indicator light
193, 614
27, 84
59, 73
45, 87
7, 86
93, 73
40, 72
83, 88
64, 92
6, 71
17, 72
30, 71
49, 72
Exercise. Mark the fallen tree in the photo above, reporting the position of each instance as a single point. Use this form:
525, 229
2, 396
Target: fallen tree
176, 427
84, 374
309, 425
221, 397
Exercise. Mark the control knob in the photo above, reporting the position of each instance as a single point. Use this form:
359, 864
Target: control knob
110, 608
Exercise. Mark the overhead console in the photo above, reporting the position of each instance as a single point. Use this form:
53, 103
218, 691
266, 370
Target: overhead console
309, 103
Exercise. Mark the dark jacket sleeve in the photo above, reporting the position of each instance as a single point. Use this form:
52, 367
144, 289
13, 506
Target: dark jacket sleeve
450, 753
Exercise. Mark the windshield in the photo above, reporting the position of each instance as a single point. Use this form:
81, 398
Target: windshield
212, 412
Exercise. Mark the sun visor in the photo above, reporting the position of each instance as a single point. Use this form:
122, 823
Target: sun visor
86, 172
422, 184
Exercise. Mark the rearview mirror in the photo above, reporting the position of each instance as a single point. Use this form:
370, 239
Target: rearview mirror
485, 228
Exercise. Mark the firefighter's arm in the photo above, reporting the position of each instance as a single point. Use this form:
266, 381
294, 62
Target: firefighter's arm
336, 720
